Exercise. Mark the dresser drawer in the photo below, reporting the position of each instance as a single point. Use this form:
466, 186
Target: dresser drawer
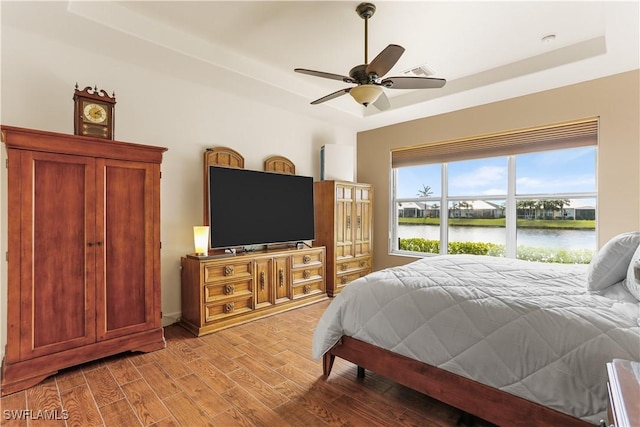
313, 272
230, 289
216, 272
307, 288
228, 308
345, 279
353, 264
306, 259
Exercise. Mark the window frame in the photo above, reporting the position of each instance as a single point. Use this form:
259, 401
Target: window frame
510, 198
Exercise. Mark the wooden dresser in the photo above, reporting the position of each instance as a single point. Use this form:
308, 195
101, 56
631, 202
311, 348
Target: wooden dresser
344, 225
220, 292
83, 252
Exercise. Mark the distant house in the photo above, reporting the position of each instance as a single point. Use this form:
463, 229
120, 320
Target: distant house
578, 209
411, 210
476, 209
575, 209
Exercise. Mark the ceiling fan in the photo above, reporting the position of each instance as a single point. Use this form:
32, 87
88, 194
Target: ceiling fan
369, 76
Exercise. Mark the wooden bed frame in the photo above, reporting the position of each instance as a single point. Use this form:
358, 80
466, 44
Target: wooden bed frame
477, 399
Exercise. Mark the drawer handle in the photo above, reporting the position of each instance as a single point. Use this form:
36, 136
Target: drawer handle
281, 277
229, 289
228, 308
306, 274
262, 279
306, 259
228, 270
363, 263
306, 289
344, 280
344, 266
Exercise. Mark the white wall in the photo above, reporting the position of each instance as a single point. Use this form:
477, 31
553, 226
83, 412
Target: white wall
38, 79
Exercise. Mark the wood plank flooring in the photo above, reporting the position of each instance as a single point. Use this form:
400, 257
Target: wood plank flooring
257, 374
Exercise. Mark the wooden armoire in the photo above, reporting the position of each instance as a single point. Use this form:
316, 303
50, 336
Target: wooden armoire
83, 271
344, 225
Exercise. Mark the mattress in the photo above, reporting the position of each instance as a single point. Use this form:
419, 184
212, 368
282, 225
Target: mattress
530, 329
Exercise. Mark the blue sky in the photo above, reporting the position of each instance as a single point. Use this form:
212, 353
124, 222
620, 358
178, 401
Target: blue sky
560, 171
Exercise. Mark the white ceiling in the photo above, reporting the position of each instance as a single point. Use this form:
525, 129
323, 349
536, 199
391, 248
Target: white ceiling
487, 51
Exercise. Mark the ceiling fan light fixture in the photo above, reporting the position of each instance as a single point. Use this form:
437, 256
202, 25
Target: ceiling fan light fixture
366, 94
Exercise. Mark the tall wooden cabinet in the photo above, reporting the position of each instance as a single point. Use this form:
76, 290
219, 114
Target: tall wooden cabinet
344, 225
83, 252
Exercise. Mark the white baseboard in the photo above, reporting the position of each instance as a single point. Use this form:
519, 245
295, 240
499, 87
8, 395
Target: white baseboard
170, 318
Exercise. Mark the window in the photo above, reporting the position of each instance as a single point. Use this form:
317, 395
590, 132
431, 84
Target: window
533, 201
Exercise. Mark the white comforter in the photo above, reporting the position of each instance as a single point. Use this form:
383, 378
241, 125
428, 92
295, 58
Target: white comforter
530, 329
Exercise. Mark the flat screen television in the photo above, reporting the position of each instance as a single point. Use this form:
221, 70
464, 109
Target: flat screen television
256, 208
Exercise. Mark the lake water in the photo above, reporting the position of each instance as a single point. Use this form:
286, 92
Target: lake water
535, 237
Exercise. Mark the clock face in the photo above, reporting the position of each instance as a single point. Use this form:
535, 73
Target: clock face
94, 113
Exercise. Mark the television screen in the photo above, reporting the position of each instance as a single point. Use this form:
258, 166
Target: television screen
250, 207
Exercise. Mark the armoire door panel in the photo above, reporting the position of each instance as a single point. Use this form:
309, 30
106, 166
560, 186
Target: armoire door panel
58, 256
125, 280
363, 228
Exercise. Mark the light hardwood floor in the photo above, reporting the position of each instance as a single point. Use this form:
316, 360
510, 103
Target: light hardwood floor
257, 374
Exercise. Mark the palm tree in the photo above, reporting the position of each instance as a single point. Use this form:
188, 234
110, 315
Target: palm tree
466, 206
560, 204
425, 192
526, 206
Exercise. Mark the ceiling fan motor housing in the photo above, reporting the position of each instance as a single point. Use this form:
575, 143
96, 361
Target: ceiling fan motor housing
359, 74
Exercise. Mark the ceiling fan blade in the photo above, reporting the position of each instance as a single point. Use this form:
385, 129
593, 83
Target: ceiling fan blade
382, 103
332, 76
413, 83
385, 60
331, 96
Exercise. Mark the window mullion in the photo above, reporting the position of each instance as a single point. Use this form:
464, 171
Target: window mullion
511, 214
444, 210
392, 244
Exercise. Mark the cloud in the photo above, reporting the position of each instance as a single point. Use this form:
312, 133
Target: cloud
563, 184
484, 176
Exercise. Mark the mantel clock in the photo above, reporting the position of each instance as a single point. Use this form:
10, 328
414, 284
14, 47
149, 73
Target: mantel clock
93, 112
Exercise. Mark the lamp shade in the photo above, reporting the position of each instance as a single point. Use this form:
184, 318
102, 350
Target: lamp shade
201, 239
366, 94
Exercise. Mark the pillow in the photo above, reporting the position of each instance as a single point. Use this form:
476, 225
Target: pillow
611, 263
632, 282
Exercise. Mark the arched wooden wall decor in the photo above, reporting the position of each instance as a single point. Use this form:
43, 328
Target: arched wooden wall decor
218, 156
223, 156
279, 164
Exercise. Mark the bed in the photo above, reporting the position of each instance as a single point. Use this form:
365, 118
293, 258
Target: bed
512, 342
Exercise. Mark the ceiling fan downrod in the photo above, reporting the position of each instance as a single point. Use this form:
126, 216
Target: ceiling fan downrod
366, 11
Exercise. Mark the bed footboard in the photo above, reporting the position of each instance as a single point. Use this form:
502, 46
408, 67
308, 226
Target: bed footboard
470, 396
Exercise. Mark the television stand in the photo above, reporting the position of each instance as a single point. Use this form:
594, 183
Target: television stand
218, 293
